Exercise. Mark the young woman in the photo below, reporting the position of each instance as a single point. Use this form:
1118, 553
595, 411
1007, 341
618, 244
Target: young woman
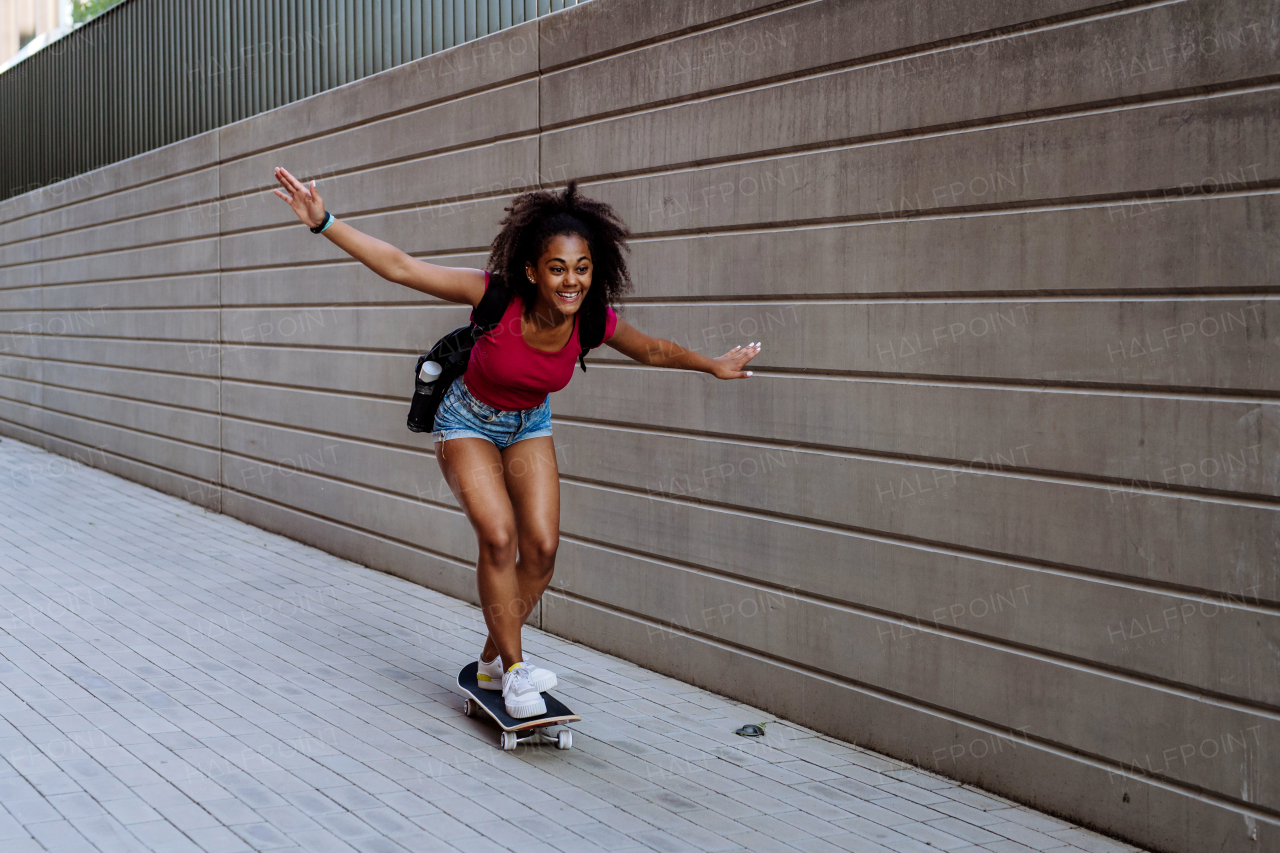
560, 255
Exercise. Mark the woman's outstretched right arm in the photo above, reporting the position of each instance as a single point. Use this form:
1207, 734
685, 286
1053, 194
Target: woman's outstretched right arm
447, 283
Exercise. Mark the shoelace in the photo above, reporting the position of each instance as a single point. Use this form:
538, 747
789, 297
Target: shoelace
518, 682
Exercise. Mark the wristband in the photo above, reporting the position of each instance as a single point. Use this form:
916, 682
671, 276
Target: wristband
328, 220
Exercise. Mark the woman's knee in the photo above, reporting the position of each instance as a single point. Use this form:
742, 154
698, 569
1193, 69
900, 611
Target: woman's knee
539, 551
498, 542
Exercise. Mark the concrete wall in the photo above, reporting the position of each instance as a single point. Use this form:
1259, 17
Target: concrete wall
1002, 497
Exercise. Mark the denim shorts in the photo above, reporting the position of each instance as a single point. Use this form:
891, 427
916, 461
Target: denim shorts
461, 415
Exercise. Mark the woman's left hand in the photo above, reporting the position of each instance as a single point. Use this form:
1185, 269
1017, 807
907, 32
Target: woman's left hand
729, 365
305, 200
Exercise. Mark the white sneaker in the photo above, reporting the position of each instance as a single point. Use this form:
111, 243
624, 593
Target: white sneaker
519, 695
489, 675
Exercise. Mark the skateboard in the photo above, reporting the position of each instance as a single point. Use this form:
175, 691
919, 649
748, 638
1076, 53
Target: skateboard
490, 703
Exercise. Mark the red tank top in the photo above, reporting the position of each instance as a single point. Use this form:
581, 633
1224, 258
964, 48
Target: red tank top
507, 373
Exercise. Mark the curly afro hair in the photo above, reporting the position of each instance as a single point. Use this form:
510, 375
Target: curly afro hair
535, 217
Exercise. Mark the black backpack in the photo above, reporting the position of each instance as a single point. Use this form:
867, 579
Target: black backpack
453, 352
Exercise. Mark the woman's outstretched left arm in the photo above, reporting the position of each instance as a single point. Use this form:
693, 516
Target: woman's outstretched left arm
657, 352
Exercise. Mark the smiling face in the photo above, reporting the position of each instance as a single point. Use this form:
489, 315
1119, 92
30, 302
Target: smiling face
562, 277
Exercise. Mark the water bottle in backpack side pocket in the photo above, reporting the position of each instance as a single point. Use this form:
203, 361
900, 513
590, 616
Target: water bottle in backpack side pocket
423, 384
429, 373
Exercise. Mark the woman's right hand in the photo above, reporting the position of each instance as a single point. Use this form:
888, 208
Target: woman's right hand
304, 200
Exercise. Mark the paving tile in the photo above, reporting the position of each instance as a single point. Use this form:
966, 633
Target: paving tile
914, 793
32, 810
74, 806
815, 845
321, 841
575, 844
858, 844
387, 821
961, 829
17, 788
775, 828
932, 835
131, 810
352, 798
809, 824
346, 826
1007, 846
616, 818
869, 829
424, 842
711, 842
664, 842
161, 794
10, 828
218, 839
24, 845
109, 835
232, 812
314, 803
761, 842
975, 798
262, 836
1023, 835
911, 810
188, 817
157, 833
713, 821
378, 844
819, 808
53, 783
57, 835
1090, 841
762, 803
967, 813
1032, 820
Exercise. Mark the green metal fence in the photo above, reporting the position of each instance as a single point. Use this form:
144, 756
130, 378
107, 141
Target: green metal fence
146, 73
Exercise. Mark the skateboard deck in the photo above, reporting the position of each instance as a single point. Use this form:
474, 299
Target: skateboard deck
490, 703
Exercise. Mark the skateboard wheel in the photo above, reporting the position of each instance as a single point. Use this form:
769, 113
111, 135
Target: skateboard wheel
508, 741
468, 708
564, 740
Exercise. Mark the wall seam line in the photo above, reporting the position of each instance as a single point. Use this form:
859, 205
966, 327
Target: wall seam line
217, 143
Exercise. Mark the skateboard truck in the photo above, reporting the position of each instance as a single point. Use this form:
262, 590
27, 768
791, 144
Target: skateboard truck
509, 740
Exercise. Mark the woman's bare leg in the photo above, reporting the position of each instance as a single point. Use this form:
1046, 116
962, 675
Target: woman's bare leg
533, 486
473, 468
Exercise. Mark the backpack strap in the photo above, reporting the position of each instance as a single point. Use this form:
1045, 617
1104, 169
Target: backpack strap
486, 316
590, 335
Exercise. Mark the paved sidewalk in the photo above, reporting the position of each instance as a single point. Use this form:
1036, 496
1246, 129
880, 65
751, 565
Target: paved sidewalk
174, 679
